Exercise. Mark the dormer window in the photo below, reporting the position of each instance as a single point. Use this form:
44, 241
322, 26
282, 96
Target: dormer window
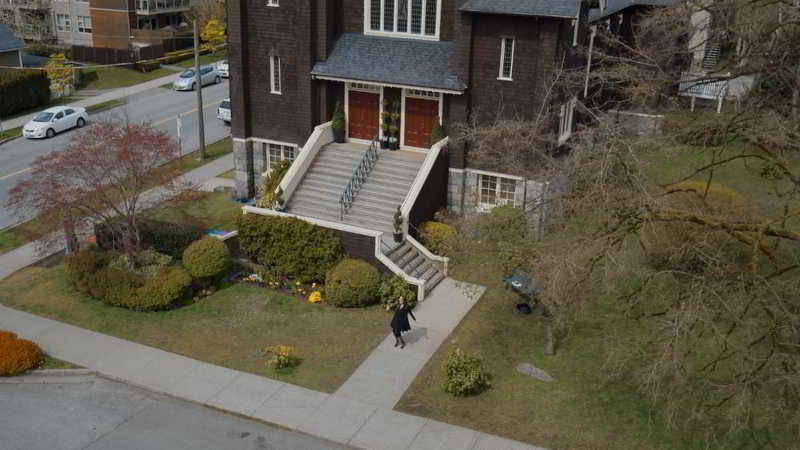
407, 18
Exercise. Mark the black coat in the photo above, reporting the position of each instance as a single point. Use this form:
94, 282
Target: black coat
400, 319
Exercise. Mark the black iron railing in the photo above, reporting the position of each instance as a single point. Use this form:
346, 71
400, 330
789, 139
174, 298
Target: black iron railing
359, 177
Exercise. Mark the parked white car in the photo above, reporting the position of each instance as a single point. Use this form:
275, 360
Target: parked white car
222, 68
55, 120
224, 111
187, 80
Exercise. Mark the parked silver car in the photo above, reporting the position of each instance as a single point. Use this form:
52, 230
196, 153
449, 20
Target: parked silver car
224, 111
55, 120
187, 81
222, 68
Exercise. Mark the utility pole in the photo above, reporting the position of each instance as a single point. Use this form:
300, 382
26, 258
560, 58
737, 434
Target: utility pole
199, 88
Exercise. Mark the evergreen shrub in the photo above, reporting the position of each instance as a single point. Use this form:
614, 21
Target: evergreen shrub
352, 283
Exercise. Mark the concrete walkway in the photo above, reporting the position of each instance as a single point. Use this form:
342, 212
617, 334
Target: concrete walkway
115, 94
28, 254
329, 416
383, 378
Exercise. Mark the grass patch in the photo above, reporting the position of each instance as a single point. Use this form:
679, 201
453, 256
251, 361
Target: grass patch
104, 105
166, 86
580, 409
229, 174
10, 133
213, 151
208, 58
117, 77
52, 363
230, 328
211, 210
19, 235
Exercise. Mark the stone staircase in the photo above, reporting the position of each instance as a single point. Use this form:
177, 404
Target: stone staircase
417, 265
385, 189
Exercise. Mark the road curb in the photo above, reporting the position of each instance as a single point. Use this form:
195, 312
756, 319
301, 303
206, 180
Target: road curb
10, 139
53, 376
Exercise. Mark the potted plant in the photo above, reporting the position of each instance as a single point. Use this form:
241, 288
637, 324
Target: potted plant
438, 133
398, 226
394, 141
337, 123
280, 202
385, 135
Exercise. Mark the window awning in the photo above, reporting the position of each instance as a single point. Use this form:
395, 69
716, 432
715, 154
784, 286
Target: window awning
401, 62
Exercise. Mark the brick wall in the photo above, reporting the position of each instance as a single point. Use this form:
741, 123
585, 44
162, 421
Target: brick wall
110, 27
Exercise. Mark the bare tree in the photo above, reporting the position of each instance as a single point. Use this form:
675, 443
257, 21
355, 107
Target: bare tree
110, 172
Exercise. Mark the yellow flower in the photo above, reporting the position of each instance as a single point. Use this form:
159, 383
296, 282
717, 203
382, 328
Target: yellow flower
297, 283
315, 297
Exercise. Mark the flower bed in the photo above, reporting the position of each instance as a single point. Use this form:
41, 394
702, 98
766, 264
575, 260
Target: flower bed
281, 285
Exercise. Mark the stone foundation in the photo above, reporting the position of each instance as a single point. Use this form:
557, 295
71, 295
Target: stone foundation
243, 168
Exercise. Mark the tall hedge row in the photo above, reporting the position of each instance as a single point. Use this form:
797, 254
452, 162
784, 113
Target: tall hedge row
22, 89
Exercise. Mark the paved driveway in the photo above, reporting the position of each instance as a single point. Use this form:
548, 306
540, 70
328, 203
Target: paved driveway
101, 414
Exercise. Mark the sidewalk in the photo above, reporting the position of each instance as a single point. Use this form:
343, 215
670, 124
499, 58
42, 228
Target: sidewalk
330, 416
115, 94
26, 255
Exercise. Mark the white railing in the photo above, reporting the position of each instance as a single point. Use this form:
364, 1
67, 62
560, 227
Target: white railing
427, 253
702, 86
320, 137
419, 181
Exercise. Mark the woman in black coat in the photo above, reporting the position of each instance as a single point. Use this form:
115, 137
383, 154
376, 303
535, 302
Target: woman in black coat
400, 323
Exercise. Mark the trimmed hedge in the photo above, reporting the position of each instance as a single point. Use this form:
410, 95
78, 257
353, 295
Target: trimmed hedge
164, 237
352, 283
162, 291
289, 247
17, 355
206, 258
81, 267
394, 287
113, 286
22, 90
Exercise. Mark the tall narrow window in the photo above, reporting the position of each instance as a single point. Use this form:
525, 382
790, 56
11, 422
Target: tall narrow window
416, 16
430, 17
388, 16
402, 16
275, 74
375, 15
506, 58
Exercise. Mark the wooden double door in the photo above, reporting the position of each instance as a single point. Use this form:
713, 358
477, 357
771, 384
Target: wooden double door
420, 117
363, 115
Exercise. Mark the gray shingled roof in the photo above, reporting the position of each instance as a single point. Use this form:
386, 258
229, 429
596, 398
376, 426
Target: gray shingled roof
615, 6
543, 8
410, 62
7, 39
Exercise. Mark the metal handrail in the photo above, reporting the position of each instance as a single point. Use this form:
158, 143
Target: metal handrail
359, 177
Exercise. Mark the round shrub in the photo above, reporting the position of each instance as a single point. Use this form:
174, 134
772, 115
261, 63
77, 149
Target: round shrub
392, 288
114, 286
17, 355
81, 267
352, 283
436, 236
464, 375
206, 258
161, 291
289, 247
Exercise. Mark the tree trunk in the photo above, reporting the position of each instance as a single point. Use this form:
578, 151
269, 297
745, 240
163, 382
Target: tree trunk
71, 239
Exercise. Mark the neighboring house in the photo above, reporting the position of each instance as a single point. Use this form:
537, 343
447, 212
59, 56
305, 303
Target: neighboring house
426, 61
119, 24
72, 22
10, 48
31, 20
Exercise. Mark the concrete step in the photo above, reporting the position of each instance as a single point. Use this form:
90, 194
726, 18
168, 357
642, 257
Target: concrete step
429, 273
398, 253
379, 187
422, 268
311, 201
332, 172
433, 281
412, 265
395, 175
332, 214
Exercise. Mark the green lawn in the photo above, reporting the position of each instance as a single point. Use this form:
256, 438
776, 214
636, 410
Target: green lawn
13, 132
230, 328
581, 409
211, 210
213, 151
117, 77
19, 235
228, 174
208, 58
104, 105
52, 363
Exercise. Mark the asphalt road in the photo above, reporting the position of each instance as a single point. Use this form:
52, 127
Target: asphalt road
102, 414
158, 106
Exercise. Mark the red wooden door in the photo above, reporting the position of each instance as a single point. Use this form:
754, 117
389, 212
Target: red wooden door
421, 116
363, 115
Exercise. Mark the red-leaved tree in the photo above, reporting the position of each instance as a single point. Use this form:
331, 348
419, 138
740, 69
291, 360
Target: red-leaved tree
110, 172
